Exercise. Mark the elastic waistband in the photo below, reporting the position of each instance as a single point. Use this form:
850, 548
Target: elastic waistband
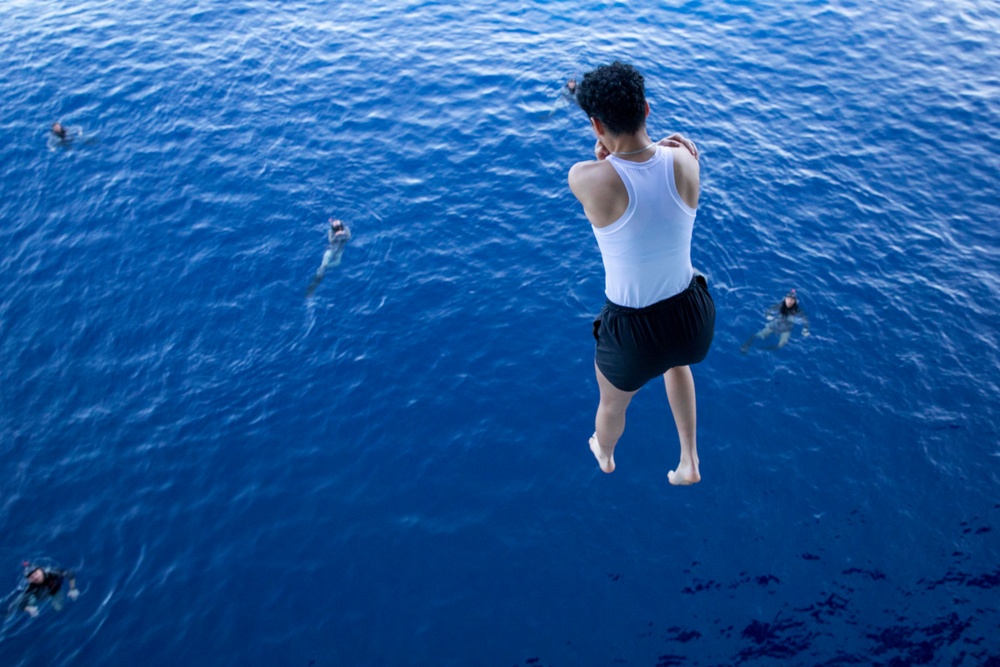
697, 281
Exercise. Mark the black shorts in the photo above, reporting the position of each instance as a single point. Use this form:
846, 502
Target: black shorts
635, 345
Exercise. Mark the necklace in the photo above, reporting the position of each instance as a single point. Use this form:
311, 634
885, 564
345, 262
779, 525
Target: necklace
641, 150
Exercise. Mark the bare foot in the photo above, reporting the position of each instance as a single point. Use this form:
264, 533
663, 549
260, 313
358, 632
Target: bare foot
606, 461
685, 475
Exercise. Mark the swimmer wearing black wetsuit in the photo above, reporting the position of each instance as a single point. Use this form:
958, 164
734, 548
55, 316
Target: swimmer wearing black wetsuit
782, 317
45, 584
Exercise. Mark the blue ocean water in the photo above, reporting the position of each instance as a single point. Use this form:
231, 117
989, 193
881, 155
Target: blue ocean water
396, 471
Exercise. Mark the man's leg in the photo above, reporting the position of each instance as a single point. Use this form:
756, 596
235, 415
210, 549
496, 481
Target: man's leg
610, 421
680, 393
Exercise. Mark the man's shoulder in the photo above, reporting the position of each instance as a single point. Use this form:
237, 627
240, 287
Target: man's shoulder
685, 163
600, 189
590, 175
687, 175
585, 169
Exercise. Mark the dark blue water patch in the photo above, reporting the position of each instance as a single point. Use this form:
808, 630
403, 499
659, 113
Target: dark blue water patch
779, 639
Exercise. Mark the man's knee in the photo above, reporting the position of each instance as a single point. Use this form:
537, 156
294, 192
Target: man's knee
615, 404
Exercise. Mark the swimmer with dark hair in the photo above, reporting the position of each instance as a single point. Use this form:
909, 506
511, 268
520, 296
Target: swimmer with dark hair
569, 90
338, 235
62, 136
45, 583
781, 320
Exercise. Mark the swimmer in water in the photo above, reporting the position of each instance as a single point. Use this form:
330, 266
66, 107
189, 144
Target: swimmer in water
569, 90
338, 235
45, 584
781, 320
67, 136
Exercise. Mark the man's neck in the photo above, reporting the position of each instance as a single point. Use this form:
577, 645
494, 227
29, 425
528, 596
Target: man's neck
636, 147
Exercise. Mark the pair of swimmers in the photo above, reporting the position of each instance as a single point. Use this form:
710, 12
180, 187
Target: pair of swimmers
337, 236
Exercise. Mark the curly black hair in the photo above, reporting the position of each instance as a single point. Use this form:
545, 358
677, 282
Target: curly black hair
614, 94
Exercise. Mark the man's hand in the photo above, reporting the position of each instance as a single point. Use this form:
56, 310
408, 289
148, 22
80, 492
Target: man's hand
675, 140
600, 151
73, 593
32, 610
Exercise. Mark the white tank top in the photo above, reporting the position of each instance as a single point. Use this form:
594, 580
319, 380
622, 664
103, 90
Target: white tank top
647, 251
